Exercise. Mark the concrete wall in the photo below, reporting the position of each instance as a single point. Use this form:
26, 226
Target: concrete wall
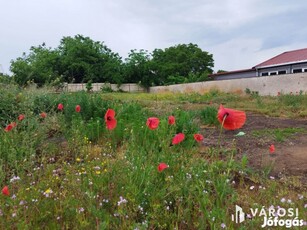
269, 85
99, 86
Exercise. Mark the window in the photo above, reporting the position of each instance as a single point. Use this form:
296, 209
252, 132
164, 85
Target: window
297, 70
265, 74
282, 72
273, 73
305, 70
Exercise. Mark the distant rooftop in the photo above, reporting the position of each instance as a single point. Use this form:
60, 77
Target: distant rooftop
286, 58
294, 56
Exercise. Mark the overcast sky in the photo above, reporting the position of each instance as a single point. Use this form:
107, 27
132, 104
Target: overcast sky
239, 33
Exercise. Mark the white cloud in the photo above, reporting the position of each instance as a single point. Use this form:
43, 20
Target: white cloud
239, 34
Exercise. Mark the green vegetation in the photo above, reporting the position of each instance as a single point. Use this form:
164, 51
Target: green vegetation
278, 134
209, 115
67, 171
79, 59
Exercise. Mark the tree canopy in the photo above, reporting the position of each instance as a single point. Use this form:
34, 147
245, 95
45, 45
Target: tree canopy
80, 59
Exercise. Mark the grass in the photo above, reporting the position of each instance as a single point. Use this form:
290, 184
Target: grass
68, 171
279, 135
285, 105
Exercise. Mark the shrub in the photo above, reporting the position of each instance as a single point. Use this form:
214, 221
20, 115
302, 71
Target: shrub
209, 115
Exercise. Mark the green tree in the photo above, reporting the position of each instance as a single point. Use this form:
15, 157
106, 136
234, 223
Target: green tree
5, 79
40, 66
137, 68
83, 59
181, 63
76, 59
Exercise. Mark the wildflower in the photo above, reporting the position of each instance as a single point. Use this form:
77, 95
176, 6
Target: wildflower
231, 119
278, 93
96, 167
110, 120
198, 137
10, 126
162, 166
171, 120
78, 108
121, 201
43, 115
252, 187
188, 175
81, 210
283, 200
48, 192
223, 225
272, 149
14, 178
60, 107
5, 191
178, 138
153, 122
14, 214
21, 117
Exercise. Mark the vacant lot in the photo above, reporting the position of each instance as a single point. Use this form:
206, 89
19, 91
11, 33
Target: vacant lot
70, 163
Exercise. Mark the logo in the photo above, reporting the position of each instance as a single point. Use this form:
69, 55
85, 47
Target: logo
239, 216
271, 216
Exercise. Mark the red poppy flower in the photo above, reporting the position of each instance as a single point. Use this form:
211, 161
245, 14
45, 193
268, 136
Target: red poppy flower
110, 120
162, 166
171, 120
278, 94
178, 138
10, 126
21, 117
5, 191
272, 149
43, 115
78, 108
60, 107
198, 137
233, 119
153, 122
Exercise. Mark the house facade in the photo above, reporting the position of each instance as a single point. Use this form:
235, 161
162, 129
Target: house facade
290, 62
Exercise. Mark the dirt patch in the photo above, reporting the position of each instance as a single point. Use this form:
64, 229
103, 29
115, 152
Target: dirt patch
290, 157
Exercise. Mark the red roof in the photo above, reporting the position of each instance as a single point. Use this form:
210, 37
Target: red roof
286, 58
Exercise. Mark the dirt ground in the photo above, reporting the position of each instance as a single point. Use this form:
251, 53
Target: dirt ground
290, 157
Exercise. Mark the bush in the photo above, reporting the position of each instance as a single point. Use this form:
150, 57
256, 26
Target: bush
209, 115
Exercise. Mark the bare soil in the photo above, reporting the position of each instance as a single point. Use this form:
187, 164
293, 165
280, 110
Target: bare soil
290, 157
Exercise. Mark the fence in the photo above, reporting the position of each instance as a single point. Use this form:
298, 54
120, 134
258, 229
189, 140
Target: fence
100, 86
269, 85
